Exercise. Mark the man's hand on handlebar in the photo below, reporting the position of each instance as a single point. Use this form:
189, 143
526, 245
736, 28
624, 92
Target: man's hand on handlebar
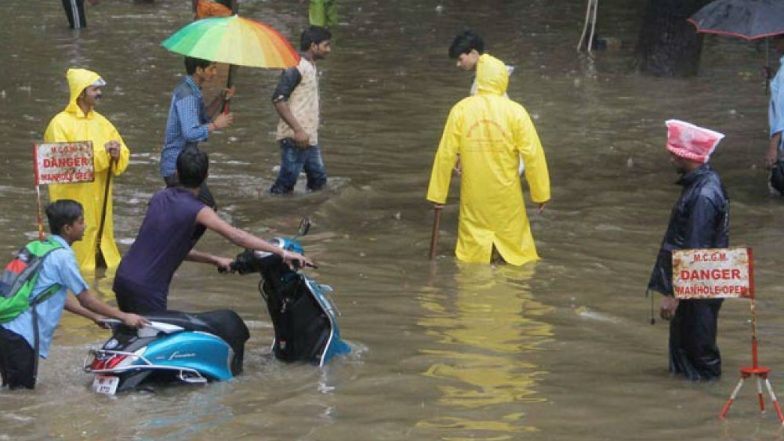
296, 260
101, 322
134, 321
224, 264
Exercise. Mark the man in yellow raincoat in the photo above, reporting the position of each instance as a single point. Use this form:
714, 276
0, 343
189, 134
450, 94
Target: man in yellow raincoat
490, 133
80, 122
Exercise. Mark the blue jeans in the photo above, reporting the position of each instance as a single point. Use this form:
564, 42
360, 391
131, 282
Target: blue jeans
292, 160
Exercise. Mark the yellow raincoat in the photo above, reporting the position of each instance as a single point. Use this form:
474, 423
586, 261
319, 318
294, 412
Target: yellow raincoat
490, 133
73, 125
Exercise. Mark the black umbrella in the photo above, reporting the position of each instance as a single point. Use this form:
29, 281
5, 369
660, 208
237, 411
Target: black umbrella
747, 19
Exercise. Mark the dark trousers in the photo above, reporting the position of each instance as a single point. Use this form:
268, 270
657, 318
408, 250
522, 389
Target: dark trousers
74, 10
693, 349
18, 364
292, 161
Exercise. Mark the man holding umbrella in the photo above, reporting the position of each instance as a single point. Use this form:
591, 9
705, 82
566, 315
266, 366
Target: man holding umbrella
776, 121
232, 40
80, 122
752, 21
189, 122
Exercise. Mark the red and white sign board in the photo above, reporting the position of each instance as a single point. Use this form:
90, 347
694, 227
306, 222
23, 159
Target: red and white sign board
712, 273
63, 162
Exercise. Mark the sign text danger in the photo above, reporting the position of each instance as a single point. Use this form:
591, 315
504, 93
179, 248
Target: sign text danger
712, 273
64, 162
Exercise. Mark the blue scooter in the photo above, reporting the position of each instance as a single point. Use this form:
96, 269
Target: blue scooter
209, 346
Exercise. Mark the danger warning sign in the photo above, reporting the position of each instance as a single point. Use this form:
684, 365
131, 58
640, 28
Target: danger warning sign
712, 273
63, 162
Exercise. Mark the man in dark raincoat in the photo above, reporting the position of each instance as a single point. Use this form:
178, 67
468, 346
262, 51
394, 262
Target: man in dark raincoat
700, 219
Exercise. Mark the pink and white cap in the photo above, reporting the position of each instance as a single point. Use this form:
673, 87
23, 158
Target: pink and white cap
691, 142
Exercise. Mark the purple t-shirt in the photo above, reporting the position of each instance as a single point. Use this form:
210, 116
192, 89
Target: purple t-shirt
169, 231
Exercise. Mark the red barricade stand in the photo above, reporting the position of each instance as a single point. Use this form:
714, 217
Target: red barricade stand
760, 373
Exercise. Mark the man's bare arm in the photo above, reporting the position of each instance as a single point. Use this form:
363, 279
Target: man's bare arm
300, 137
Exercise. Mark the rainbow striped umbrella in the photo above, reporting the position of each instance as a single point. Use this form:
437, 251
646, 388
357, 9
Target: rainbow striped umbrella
233, 40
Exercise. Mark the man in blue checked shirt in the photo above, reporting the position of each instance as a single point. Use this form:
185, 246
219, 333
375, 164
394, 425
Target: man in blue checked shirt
189, 120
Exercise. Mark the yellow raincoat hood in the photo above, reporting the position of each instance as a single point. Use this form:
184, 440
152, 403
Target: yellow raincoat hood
492, 76
78, 80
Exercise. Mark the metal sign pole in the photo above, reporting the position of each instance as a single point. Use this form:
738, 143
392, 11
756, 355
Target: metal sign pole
760, 373
39, 215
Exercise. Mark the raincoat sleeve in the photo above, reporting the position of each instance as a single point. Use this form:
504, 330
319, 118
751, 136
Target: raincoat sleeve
102, 157
536, 173
446, 157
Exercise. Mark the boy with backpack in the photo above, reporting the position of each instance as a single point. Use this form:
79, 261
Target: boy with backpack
33, 300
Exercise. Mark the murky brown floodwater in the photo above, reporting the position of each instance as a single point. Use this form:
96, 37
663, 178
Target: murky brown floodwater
560, 350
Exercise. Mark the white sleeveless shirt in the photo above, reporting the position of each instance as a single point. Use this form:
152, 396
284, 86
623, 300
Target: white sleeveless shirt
304, 104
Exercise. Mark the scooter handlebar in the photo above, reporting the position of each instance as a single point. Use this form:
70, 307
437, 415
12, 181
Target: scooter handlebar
250, 261
232, 268
298, 267
110, 322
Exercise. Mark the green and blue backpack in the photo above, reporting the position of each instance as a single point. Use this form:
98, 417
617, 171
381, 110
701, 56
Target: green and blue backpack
19, 277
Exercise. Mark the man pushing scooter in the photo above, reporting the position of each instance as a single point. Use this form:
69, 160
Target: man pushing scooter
174, 221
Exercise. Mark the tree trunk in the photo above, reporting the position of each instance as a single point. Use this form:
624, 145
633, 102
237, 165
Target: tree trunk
668, 44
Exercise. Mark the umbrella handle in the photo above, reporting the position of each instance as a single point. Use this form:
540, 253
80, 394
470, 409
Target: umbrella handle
229, 85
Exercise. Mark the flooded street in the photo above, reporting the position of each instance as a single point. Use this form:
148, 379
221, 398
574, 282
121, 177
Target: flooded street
558, 350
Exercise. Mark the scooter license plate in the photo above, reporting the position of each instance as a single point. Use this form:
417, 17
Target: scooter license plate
105, 384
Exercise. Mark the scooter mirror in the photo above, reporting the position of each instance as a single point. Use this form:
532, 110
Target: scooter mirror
304, 226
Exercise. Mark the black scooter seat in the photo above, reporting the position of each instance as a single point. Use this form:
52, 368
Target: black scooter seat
223, 323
